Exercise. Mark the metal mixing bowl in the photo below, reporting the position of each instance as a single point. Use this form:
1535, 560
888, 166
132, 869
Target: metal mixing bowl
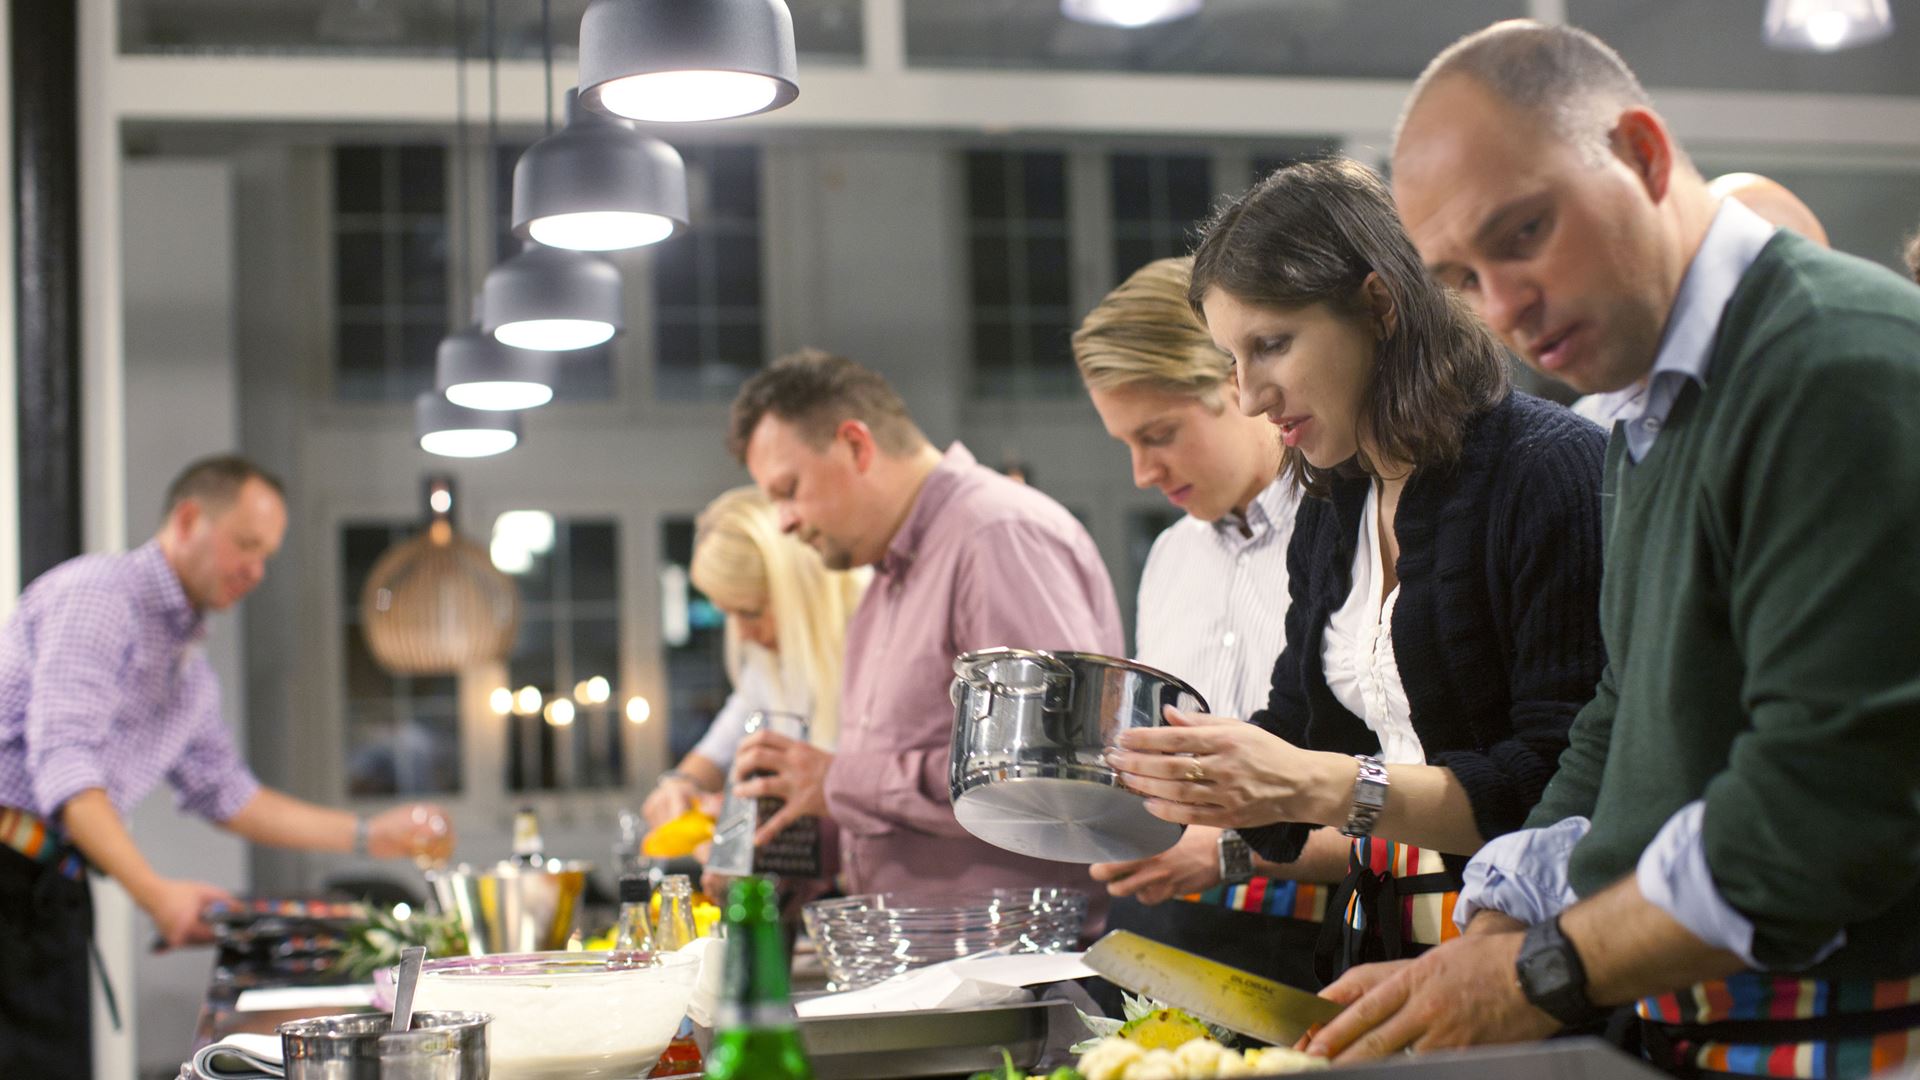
509, 908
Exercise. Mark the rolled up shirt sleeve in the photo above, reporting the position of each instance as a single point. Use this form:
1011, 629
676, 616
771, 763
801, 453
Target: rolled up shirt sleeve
1673, 876
82, 645
1521, 874
209, 776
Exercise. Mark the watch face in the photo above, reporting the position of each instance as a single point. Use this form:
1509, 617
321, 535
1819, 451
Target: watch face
1544, 972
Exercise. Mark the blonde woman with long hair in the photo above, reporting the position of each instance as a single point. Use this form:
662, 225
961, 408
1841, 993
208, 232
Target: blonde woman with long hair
785, 639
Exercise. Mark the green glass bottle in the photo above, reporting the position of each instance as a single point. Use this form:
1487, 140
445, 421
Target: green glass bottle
756, 1038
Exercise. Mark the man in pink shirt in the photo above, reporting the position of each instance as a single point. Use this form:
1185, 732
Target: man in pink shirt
964, 559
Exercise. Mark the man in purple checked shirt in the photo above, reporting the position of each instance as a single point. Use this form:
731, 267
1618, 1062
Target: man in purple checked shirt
964, 559
104, 692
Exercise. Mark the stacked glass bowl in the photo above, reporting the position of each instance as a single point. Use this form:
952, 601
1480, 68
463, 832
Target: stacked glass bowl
864, 939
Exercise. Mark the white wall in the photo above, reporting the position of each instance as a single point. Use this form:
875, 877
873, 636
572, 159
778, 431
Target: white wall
182, 402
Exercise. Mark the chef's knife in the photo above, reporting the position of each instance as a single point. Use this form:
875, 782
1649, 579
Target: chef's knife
1269, 1011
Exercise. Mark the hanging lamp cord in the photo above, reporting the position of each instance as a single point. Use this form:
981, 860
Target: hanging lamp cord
463, 248
493, 127
546, 52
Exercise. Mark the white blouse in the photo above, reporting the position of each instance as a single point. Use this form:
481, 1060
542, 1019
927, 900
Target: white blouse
1357, 650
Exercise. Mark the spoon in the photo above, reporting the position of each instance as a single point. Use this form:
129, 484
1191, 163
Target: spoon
410, 961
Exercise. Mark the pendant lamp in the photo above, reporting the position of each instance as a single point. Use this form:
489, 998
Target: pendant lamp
456, 431
1827, 25
552, 300
475, 370
1130, 14
597, 184
435, 604
679, 61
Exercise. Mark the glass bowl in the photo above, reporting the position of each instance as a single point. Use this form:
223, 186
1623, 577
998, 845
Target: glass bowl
567, 1015
864, 939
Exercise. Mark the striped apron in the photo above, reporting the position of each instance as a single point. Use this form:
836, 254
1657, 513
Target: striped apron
1397, 901
1269, 896
1754, 1024
31, 836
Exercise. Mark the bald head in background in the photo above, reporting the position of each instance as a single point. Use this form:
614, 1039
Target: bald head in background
1771, 200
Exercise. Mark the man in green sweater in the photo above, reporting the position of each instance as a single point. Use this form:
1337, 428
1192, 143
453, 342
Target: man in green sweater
1732, 843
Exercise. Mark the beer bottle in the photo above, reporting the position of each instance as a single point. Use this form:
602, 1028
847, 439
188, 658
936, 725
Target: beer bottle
756, 1038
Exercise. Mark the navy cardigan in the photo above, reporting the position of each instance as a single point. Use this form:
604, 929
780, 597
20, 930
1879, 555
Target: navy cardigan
1497, 629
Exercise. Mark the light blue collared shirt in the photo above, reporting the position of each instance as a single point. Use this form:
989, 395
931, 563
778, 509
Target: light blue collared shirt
1524, 874
1733, 242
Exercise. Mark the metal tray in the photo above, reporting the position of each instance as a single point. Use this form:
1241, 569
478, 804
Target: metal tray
1555, 1059
958, 1042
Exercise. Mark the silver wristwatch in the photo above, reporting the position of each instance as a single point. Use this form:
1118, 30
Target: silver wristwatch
1369, 797
1236, 859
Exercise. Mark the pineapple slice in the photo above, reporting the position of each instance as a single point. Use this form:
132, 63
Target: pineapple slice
1163, 1029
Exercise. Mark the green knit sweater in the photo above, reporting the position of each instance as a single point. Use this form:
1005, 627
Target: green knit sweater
1761, 612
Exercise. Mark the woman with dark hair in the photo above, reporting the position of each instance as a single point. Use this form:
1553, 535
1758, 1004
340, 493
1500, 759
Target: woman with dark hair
1444, 574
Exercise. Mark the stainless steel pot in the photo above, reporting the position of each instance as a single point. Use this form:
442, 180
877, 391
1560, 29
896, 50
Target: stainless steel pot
1030, 730
509, 908
358, 1046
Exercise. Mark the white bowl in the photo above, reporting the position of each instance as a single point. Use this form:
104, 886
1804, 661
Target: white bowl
566, 1016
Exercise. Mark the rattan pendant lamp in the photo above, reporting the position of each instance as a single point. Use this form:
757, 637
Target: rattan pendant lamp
435, 604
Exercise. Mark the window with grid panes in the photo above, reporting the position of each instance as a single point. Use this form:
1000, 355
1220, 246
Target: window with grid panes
694, 635
709, 324
1020, 271
1159, 200
389, 269
569, 633
402, 732
586, 374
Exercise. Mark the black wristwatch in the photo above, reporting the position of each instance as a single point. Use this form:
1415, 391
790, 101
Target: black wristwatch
1236, 859
1552, 976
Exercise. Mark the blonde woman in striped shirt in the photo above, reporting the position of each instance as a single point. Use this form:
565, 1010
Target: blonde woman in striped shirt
1212, 608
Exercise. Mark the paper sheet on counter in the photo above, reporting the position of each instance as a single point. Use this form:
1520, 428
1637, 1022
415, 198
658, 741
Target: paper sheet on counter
305, 997
969, 982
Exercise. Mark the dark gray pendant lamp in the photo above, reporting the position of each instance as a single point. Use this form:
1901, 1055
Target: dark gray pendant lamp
552, 300
598, 185
471, 369
685, 60
474, 369
456, 431
546, 298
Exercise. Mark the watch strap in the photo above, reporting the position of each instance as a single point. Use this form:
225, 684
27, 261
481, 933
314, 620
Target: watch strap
1553, 977
1369, 797
1236, 859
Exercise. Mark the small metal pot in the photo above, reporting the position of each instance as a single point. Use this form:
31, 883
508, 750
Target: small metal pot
359, 1046
1030, 733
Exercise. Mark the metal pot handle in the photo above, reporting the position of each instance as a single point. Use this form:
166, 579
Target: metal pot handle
1053, 665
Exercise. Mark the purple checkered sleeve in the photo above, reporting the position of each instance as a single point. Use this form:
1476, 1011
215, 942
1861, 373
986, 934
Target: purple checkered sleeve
103, 684
210, 777
82, 645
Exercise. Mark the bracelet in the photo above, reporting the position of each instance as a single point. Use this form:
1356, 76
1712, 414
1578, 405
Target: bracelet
361, 827
675, 774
